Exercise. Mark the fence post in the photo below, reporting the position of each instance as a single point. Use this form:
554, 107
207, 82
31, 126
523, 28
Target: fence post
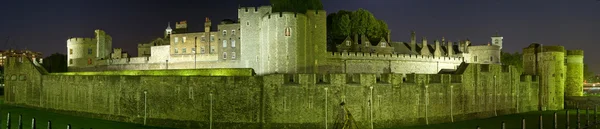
478, 127
503, 125
20, 122
587, 114
567, 119
68, 126
578, 119
33, 123
595, 115
49, 125
523, 123
8, 121
555, 121
541, 122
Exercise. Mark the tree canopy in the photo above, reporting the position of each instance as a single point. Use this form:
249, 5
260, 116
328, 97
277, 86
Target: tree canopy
346, 23
55, 63
299, 6
514, 59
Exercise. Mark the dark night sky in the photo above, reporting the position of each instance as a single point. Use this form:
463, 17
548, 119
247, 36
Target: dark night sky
44, 26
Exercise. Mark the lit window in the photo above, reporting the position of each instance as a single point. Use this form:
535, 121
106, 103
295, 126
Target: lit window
176, 50
224, 43
232, 43
224, 32
183, 39
288, 31
224, 55
202, 50
232, 32
89, 51
383, 44
70, 51
183, 50
212, 38
232, 55
347, 43
176, 39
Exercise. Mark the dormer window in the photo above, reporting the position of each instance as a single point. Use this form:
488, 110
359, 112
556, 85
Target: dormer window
347, 43
288, 31
383, 44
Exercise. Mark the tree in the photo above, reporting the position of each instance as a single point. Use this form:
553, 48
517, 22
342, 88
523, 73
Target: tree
346, 23
515, 59
55, 63
588, 75
298, 6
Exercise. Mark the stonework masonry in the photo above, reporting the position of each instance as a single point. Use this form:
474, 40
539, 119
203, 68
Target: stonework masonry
277, 100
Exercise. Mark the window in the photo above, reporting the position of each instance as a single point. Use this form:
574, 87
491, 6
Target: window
70, 61
212, 50
224, 43
89, 61
288, 31
183, 50
176, 50
224, 55
491, 58
176, 40
248, 23
232, 32
475, 59
202, 50
347, 43
383, 44
203, 39
224, 32
183, 39
232, 43
194, 50
89, 51
212, 38
232, 55
70, 51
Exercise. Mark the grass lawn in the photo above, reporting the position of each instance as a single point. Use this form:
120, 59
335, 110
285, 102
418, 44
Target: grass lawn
58, 120
514, 121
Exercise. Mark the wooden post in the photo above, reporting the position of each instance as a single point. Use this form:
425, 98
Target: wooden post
20, 122
478, 127
541, 122
578, 120
587, 114
523, 123
69, 126
33, 123
503, 125
8, 121
49, 125
567, 119
555, 121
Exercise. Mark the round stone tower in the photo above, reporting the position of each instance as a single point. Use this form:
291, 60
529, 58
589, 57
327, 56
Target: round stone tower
574, 79
551, 70
530, 59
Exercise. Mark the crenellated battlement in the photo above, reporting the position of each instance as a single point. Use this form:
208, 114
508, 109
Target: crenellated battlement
276, 15
80, 40
376, 56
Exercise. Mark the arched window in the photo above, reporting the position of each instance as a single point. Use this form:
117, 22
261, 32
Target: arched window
224, 55
224, 43
288, 31
224, 32
232, 43
233, 32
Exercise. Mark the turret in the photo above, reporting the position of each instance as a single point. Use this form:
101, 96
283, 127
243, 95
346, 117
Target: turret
207, 25
574, 80
497, 40
168, 31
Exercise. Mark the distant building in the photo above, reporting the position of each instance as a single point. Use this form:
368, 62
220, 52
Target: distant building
18, 53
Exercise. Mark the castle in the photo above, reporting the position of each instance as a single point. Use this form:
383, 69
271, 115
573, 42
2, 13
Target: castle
299, 84
278, 42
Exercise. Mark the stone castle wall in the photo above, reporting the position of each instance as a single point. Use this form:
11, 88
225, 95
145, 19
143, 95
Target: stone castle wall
356, 62
278, 100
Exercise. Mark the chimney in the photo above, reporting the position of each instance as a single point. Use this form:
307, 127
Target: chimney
389, 36
413, 41
450, 49
207, 25
438, 49
425, 49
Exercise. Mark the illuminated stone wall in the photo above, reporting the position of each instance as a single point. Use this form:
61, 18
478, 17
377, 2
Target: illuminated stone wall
574, 79
278, 100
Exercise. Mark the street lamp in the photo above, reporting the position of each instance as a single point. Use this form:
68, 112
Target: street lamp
195, 47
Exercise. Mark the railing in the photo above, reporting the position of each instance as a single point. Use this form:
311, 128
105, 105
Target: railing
587, 125
20, 123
